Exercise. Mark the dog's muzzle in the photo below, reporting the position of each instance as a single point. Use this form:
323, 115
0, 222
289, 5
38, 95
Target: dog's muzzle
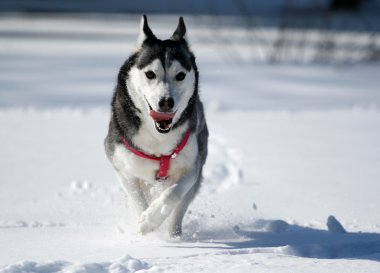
162, 120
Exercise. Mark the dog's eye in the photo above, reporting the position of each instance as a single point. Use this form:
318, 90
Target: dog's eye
150, 75
180, 76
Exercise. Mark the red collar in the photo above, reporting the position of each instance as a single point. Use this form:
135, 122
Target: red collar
162, 173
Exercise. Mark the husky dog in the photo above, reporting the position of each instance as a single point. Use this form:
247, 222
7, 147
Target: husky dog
157, 138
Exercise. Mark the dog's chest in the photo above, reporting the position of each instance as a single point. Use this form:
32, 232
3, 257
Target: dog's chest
132, 165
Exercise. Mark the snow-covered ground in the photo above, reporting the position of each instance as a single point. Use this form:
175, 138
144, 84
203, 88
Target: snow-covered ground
290, 146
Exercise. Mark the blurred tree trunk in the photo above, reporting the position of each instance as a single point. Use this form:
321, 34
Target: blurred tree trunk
338, 5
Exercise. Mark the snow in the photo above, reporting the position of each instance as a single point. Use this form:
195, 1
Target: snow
291, 181
127, 264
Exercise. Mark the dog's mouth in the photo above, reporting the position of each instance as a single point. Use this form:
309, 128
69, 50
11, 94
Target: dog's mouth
163, 121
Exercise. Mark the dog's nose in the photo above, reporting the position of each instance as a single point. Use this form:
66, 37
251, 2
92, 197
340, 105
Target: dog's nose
166, 104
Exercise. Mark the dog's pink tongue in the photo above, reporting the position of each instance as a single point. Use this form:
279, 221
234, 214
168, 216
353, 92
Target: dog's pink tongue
158, 116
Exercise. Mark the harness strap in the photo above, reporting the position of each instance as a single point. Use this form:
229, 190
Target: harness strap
162, 173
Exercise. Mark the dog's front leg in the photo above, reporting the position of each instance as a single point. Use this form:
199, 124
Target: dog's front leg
169, 199
133, 191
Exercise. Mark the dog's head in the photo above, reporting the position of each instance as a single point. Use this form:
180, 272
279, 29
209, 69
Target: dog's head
163, 78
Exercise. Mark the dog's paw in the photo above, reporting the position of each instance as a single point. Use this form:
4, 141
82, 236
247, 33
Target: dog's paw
150, 220
157, 212
145, 226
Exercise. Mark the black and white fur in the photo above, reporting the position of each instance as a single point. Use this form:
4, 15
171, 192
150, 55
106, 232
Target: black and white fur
136, 94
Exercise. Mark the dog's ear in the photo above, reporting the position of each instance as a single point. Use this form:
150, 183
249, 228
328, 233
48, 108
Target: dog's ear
180, 32
145, 32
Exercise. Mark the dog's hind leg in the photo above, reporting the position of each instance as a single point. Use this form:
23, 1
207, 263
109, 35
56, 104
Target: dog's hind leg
175, 226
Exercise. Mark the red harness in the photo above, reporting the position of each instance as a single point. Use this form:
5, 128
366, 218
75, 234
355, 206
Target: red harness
162, 173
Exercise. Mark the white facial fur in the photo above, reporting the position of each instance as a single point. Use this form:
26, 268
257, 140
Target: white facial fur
145, 90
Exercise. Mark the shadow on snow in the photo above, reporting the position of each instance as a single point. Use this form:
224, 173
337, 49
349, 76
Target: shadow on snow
292, 240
